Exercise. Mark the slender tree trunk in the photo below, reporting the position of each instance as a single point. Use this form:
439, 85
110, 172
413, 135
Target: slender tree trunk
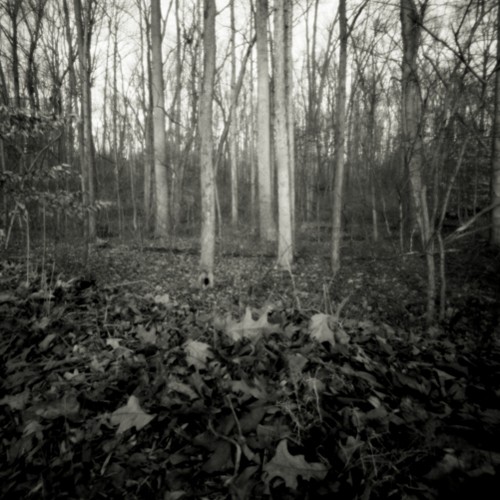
177, 174
13, 7
84, 23
338, 187
4, 91
147, 101
267, 226
160, 165
495, 159
71, 97
206, 147
373, 200
312, 136
233, 125
133, 156
285, 237
290, 122
106, 91
251, 149
4, 216
116, 150
411, 21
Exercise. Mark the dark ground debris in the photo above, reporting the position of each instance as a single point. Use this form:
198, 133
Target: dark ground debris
127, 380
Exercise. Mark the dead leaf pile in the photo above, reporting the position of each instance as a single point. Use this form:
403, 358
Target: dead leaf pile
109, 394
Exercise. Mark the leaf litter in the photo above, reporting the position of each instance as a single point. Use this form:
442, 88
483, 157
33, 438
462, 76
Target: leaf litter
127, 388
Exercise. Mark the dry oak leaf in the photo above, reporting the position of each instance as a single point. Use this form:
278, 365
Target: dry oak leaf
197, 353
290, 467
130, 415
250, 328
326, 328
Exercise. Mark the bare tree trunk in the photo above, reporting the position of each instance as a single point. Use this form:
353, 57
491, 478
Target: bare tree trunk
4, 216
251, 149
233, 125
116, 151
106, 90
312, 135
206, 148
373, 201
285, 237
411, 21
177, 167
160, 165
71, 97
338, 188
132, 166
37, 13
290, 122
267, 226
146, 105
495, 158
84, 22
4, 91
12, 8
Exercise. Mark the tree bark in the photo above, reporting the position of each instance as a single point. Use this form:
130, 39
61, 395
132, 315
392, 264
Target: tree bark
147, 103
37, 9
290, 122
12, 9
338, 187
285, 237
495, 159
233, 125
116, 150
160, 163
84, 22
206, 147
411, 22
267, 226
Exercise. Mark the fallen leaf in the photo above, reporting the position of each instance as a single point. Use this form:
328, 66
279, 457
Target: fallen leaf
320, 329
130, 415
66, 406
113, 343
220, 459
162, 299
326, 328
290, 467
296, 364
146, 336
197, 353
250, 328
17, 401
7, 297
315, 385
242, 386
42, 323
45, 343
99, 365
182, 388
243, 485
351, 446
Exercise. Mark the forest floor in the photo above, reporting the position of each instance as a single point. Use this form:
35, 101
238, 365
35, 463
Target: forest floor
124, 379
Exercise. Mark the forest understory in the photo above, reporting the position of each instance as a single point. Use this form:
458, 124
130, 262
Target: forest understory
124, 379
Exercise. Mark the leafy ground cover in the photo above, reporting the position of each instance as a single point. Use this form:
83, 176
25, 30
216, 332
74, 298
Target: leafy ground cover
129, 381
